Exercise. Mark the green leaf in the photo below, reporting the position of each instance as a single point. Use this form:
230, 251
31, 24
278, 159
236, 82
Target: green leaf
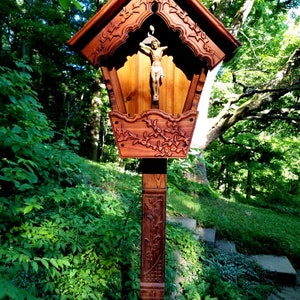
77, 4
24, 187
12, 99
25, 266
27, 209
49, 286
54, 263
45, 263
34, 266
15, 148
64, 4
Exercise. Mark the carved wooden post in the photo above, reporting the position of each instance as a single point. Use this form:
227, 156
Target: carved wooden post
152, 117
153, 228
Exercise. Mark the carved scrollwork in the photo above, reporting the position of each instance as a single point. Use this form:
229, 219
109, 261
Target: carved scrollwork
116, 32
132, 16
153, 133
190, 33
153, 205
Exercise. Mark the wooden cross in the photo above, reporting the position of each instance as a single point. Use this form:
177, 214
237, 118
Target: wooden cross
158, 124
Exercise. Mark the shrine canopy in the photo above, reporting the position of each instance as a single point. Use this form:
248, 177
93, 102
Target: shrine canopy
103, 34
193, 42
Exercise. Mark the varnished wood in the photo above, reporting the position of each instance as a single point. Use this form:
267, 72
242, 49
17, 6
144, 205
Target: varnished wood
136, 88
195, 90
153, 134
109, 29
114, 89
153, 228
194, 42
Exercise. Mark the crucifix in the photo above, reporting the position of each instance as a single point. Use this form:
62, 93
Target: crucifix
109, 41
156, 53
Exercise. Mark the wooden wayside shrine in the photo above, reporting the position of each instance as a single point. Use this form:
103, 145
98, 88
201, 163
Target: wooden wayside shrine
154, 56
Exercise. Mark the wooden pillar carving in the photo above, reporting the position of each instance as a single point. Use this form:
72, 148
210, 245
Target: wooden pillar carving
153, 228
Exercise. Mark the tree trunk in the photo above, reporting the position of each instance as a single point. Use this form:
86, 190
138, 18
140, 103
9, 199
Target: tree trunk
95, 127
241, 17
204, 124
249, 182
279, 86
90, 147
202, 134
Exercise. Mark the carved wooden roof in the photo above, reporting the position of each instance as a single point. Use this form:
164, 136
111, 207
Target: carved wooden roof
204, 35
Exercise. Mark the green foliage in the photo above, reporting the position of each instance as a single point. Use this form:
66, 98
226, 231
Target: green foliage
257, 168
59, 227
66, 4
36, 32
28, 159
65, 248
184, 260
251, 162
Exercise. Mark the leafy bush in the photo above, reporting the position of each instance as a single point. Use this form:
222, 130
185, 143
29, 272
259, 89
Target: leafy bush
23, 133
57, 234
82, 244
28, 159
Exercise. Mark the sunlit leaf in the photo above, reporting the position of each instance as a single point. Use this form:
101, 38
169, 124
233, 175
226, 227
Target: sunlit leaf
77, 4
65, 4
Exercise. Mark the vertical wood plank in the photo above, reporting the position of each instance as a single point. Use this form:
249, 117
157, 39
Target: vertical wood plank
166, 99
128, 85
143, 82
181, 87
134, 77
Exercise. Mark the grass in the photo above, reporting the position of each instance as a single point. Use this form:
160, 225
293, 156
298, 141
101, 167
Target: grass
255, 230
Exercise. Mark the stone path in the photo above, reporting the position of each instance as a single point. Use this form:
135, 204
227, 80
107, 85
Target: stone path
287, 278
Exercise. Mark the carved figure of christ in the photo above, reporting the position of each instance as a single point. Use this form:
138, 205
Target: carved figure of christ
156, 54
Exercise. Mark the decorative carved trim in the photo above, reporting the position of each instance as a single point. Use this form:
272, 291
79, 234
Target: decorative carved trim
115, 12
153, 133
114, 89
153, 238
190, 33
153, 228
130, 18
154, 291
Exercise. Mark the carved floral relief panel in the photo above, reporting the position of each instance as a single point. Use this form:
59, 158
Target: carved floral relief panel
153, 134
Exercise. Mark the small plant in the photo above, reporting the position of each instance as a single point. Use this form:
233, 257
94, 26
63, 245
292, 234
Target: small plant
233, 276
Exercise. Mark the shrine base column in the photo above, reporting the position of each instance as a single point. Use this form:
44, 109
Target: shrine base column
153, 228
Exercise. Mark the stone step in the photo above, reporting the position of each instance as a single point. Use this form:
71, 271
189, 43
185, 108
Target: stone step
280, 266
226, 246
207, 235
286, 293
187, 223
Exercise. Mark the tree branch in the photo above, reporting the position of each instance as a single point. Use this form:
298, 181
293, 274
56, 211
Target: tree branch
241, 16
284, 82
